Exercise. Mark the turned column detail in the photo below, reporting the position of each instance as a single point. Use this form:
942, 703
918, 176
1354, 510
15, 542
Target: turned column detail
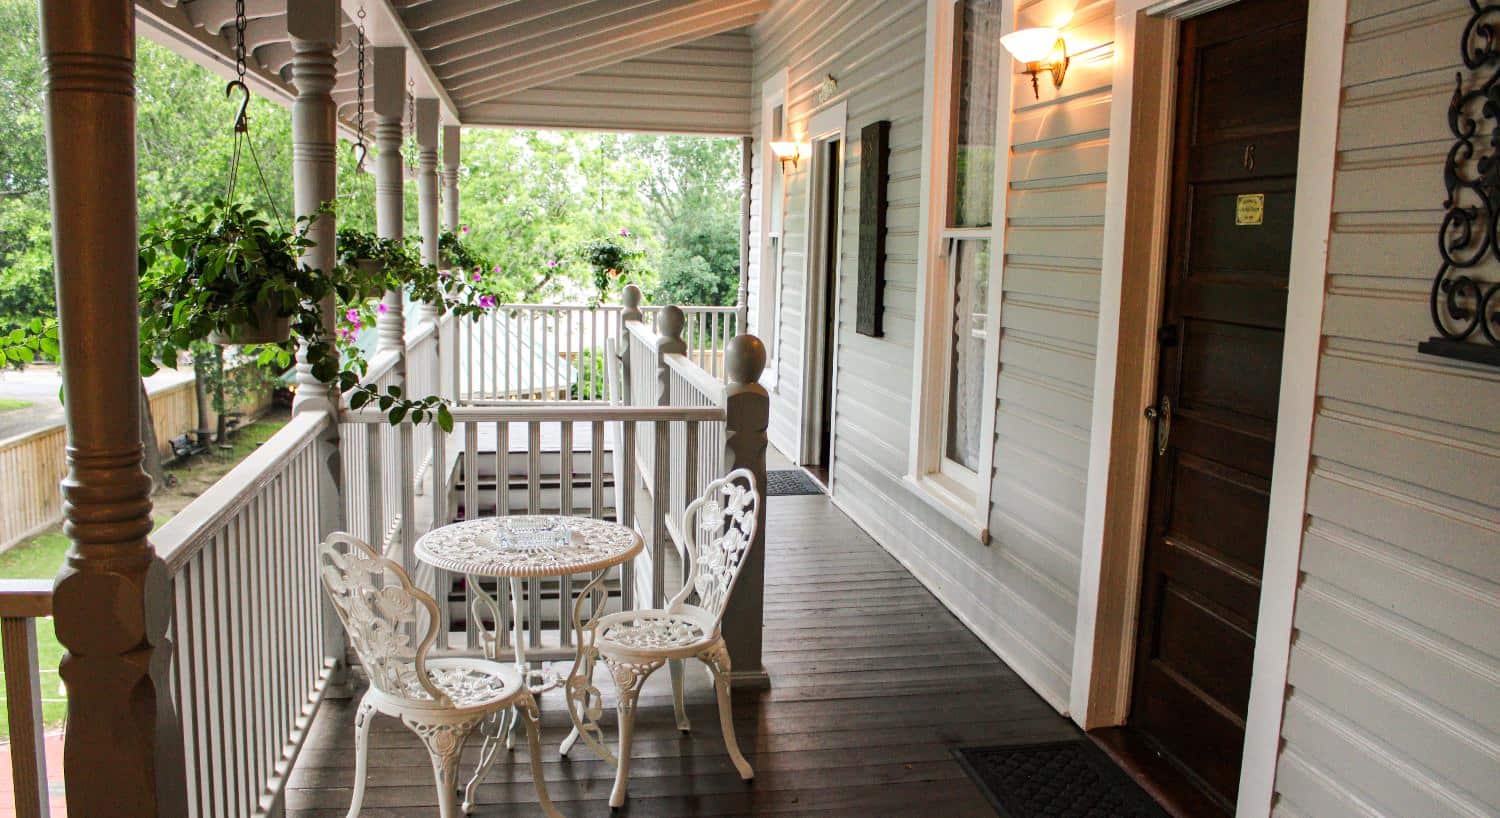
427, 189
390, 107
452, 136
112, 596
313, 25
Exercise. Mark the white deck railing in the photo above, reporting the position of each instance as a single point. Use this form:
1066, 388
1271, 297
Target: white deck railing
556, 352
252, 649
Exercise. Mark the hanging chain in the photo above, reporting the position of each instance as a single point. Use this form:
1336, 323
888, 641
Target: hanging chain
239, 39
242, 119
360, 149
411, 115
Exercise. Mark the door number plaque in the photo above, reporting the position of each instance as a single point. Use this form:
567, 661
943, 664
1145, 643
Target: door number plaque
1249, 209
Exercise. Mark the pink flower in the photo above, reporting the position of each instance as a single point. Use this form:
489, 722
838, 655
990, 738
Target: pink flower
464, 228
624, 232
477, 276
380, 308
486, 301
352, 316
496, 269
552, 263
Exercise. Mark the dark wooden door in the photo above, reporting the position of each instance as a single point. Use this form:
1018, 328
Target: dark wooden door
1234, 170
831, 224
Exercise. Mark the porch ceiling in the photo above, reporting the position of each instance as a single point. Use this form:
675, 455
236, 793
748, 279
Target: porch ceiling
497, 62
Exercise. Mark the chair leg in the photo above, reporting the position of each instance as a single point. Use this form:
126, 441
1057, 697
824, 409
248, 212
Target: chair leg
530, 715
629, 678
493, 728
445, 744
362, 719
717, 659
675, 666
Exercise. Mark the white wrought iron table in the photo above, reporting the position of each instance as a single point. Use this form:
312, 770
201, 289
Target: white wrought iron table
474, 549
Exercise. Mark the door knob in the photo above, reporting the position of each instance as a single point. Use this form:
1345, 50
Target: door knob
1162, 418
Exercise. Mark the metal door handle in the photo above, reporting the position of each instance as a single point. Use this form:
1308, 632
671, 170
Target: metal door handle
1163, 419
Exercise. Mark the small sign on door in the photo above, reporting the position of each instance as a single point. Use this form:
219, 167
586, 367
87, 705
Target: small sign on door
1249, 209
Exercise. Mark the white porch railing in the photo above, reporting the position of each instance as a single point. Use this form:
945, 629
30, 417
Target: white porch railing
556, 352
252, 650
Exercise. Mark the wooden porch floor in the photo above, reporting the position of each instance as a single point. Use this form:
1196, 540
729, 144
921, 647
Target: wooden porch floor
873, 684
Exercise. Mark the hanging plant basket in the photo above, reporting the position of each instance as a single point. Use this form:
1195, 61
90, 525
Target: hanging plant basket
266, 328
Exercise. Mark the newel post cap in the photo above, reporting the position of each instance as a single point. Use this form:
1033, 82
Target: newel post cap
631, 297
745, 359
670, 321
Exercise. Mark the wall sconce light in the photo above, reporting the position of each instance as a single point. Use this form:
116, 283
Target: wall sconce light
786, 151
1039, 49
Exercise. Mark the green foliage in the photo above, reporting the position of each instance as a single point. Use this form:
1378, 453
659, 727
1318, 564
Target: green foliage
456, 253
588, 375
612, 261
24, 344
371, 263
213, 269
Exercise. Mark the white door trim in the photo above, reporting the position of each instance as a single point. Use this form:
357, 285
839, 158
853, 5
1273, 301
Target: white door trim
773, 181
825, 125
1313, 204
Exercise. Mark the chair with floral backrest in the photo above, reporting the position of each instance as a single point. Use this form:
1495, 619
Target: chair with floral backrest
718, 529
441, 700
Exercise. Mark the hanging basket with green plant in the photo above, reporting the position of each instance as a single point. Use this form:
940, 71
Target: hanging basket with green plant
612, 260
222, 273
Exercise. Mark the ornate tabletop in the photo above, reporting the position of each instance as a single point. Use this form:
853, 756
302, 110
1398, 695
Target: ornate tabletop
475, 546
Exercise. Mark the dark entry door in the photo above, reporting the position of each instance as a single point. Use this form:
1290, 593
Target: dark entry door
1234, 169
831, 225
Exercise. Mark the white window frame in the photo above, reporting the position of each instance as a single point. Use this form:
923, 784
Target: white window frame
772, 222
960, 494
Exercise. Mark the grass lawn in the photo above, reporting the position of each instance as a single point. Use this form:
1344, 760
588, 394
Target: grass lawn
41, 556
12, 404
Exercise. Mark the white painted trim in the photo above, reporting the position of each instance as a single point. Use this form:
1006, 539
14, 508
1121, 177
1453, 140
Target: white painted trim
1317, 150
926, 460
768, 312
934, 132
826, 125
1313, 205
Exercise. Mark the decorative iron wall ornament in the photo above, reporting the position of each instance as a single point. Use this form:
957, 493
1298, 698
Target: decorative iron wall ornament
1466, 307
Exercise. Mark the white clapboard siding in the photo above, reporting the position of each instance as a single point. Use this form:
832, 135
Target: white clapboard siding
1393, 698
702, 87
1020, 591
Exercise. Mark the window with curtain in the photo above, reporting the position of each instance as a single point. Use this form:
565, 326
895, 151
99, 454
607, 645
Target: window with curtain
978, 60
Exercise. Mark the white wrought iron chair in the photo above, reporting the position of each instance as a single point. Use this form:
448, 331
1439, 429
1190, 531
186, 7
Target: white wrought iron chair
718, 529
441, 700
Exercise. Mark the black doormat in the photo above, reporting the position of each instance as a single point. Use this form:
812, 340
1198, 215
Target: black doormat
788, 482
1062, 779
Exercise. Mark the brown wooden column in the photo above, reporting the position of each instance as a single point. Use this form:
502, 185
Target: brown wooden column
112, 597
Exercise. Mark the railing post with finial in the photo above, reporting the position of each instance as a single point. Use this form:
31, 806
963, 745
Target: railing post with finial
747, 411
669, 324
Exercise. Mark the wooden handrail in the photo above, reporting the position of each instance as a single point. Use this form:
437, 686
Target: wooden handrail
21, 602
20, 598
182, 536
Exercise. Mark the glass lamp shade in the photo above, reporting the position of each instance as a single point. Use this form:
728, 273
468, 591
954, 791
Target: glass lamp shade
1031, 45
784, 149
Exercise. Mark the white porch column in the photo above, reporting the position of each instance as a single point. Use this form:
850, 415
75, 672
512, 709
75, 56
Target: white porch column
452, 136
314, 26
390, 107
111, 598
427, 189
